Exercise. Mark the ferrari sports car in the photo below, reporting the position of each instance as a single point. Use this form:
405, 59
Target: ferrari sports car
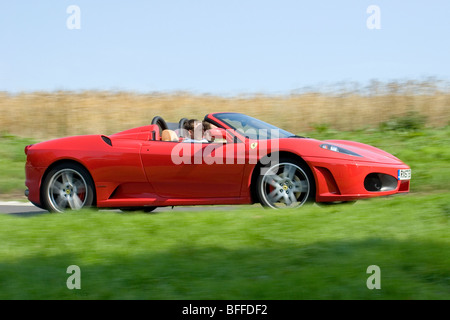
231, 158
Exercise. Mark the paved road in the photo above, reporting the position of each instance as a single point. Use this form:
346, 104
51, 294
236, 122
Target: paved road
28, 209
20, 208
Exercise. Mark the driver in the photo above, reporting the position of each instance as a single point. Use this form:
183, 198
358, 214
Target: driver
206, 131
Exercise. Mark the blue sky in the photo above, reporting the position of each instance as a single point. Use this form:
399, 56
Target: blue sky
219, 46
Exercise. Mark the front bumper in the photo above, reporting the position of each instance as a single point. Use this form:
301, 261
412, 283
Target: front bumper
343, 180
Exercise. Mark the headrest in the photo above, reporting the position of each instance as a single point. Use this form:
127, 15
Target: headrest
169, 135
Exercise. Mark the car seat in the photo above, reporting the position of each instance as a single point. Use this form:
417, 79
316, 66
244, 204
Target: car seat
169, 135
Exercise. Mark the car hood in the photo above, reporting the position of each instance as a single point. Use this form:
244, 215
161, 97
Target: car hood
308, 147
368, 153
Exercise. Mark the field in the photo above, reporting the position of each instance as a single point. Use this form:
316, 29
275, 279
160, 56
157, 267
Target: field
245, 252
346, 106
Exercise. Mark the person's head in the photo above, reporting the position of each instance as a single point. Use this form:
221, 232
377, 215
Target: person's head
195, 129
206, 125
207, 134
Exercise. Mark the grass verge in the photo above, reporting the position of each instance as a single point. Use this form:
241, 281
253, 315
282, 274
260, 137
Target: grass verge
247, 253
12, 166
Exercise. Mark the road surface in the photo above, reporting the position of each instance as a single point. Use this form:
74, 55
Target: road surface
20, 208
27, 209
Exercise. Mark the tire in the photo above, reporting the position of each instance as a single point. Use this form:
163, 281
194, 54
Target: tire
67, 186
286, 184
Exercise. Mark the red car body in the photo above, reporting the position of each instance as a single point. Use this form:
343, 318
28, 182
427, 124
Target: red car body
136, 169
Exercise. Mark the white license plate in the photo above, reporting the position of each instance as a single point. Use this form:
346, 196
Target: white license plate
404, 174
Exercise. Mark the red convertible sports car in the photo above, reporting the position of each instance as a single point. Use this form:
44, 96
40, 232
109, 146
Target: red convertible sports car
236, 160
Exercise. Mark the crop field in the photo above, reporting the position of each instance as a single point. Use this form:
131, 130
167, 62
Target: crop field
246, 252
45, 115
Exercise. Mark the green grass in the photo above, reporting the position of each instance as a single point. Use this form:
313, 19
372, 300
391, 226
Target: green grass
12, 164
247, 253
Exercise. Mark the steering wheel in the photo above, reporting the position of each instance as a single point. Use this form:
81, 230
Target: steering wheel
161, 124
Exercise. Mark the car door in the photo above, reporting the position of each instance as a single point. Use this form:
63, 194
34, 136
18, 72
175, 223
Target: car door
194, 170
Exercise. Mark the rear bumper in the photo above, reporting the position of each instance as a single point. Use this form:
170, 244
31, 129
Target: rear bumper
33, 183
341, 180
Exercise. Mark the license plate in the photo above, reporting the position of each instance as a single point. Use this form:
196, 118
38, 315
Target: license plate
404, 174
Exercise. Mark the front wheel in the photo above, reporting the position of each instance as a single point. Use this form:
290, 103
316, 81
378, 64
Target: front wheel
287, 184
68, 186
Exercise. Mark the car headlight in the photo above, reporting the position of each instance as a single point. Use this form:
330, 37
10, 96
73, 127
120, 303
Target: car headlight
339, 149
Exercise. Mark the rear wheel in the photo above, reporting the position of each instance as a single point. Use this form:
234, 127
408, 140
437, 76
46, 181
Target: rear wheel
287, 184
68, 186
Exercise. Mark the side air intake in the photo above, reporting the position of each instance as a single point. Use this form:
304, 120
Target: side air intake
107, 140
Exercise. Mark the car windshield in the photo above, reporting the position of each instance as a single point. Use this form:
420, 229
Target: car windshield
252, 128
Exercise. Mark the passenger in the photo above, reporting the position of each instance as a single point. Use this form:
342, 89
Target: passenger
196, 131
